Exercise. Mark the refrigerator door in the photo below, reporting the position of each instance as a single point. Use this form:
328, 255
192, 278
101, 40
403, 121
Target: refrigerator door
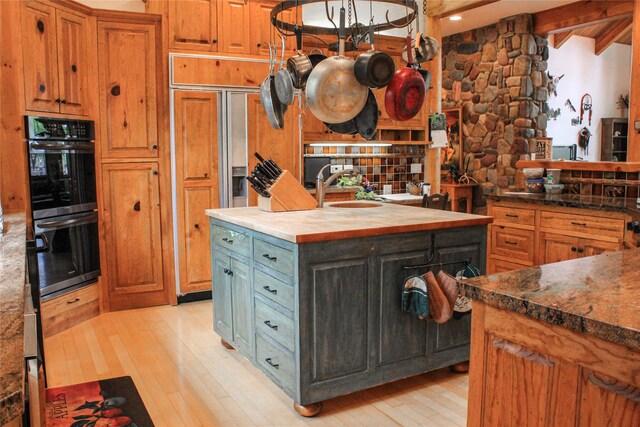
236, 149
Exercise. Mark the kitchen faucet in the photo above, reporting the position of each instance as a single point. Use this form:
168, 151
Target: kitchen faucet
322, 185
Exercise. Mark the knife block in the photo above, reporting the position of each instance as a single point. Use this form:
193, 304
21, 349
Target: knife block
287, 194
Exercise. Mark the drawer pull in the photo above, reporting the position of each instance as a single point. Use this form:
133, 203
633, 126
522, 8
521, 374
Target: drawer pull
511, 216
270, 258
580, 250
573, 249
268, 323
270, 362
509, 242
268, 289
581, 224
73, 301
229, 241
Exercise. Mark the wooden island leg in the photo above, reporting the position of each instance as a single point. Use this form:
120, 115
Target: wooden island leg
310, 410
225, 344
461, 367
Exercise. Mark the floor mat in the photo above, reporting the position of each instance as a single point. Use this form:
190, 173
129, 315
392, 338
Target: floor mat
114, 402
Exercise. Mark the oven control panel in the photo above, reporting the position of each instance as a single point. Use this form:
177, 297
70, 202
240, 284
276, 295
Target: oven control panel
38, 128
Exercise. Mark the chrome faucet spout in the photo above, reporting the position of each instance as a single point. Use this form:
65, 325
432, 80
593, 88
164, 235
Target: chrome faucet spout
322, 185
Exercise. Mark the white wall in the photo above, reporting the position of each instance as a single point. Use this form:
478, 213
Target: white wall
125, 5
604, 77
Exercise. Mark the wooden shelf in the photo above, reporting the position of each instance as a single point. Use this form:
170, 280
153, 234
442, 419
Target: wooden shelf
581, 166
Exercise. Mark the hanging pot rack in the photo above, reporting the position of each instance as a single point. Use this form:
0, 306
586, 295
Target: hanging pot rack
288, 28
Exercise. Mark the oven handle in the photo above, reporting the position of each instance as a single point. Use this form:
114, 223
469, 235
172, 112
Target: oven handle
55, 225
63, 147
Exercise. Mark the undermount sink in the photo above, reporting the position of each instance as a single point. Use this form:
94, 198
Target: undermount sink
355, 205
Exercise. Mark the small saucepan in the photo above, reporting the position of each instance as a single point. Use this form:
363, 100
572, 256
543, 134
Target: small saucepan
299, 66
284, 82
366, 121
406, 92
272, 106
374, 68
316, 56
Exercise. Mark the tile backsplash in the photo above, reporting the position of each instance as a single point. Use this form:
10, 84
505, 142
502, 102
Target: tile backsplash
380, 165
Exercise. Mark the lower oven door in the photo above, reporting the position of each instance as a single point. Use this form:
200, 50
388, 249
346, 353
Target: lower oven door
68, 254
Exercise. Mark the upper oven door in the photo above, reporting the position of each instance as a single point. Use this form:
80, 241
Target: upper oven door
62, 177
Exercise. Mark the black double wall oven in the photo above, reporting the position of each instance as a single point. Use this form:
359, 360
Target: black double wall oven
62, 183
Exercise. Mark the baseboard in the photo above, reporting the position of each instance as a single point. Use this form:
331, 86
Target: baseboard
194, 296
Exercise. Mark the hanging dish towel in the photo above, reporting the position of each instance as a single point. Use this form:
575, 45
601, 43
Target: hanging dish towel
439, 306
415, 297
449, 286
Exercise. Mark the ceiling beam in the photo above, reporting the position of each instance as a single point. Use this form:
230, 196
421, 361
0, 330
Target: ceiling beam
612, 33
581, 14
561, 38
444, 8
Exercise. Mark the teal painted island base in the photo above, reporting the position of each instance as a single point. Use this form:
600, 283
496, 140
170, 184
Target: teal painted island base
323, 319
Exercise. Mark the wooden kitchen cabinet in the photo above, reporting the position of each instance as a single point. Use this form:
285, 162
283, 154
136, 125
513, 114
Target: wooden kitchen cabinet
131, 216
193, 25
55, 59
129, 71
261, 28
234, 33
528, 234
197, 188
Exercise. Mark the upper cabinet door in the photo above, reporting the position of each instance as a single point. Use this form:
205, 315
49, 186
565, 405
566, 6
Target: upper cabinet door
193, 25
234, 32
72, 62
261, 27
128, 89
39, 52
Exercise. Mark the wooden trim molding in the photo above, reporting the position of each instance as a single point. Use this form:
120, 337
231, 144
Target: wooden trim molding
577, 15
585, 166
633, 145
612, 33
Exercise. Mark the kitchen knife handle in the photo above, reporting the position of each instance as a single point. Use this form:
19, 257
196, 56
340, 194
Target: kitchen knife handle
259, 157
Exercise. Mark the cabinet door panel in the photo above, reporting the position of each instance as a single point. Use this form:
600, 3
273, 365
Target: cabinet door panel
282, 146
72, 62
398, 330
196, 127
596, 247
40, 52
234, 33
132, 224
193, 25
222, 296
194, 247
605, 401
260, 30
556, 248
128, 100
242, 307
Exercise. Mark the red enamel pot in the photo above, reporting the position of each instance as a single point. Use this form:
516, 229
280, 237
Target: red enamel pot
406, 92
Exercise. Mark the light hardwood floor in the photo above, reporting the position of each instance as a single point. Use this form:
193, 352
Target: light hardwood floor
186, 377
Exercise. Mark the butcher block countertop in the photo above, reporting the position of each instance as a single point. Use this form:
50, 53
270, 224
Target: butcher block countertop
597, 295
12, 294
331, 223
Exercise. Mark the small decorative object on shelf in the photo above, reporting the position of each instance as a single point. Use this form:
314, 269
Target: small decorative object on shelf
543, 148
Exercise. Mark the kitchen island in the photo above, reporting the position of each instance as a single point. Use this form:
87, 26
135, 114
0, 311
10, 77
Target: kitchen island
557, 344
312, 298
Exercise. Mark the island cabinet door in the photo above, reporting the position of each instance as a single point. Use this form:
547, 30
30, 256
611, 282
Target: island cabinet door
222, 312
242, 307
336, 313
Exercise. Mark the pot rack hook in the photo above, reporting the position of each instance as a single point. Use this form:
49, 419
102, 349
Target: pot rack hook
330, 17
409, 19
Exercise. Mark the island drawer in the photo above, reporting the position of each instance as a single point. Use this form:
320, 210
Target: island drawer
582, 224
231, 240
274, 324
273, 256
512, 242
516, 216
274, 289
277, 361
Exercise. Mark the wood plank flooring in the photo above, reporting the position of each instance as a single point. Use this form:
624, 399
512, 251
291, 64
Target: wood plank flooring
186, 377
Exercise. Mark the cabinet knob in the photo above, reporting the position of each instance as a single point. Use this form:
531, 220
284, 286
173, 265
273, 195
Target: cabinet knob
154, 147
580, 250
136, 206
214, 41
64, 101
40, 25
115, 91
196, 226
573, 249
74, 68
42, 88
155, 172
259, 44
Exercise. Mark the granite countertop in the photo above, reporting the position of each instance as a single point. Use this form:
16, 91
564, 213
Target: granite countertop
12, 294
570, 201
331, 223
598, 295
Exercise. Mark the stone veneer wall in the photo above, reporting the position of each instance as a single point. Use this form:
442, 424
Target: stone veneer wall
497, 74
